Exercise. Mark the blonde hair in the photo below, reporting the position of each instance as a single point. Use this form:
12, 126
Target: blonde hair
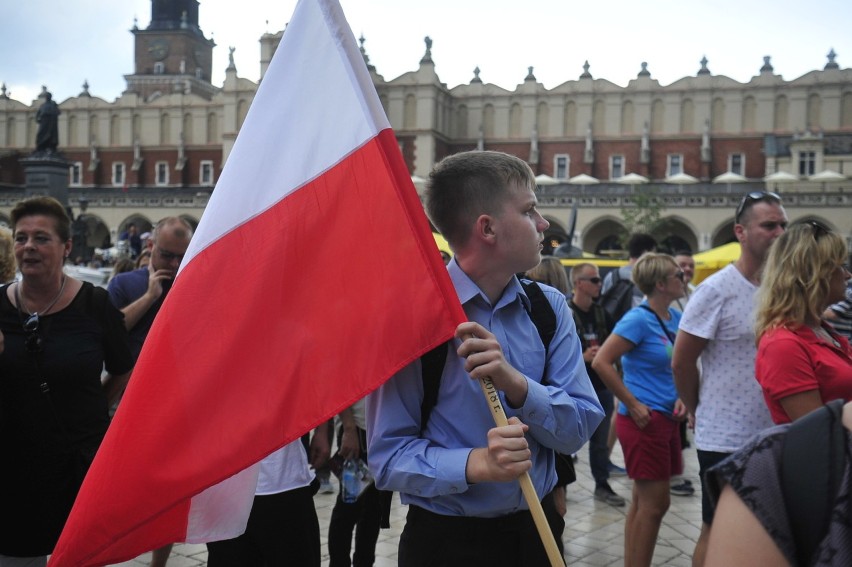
8, 265
652, 267
795, 282
550, 272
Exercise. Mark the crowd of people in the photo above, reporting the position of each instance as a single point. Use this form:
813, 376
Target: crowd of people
748, 351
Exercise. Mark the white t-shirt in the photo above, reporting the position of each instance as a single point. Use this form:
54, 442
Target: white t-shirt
285, 469
731, 407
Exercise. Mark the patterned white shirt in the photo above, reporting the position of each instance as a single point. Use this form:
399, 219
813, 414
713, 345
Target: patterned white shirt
731, 407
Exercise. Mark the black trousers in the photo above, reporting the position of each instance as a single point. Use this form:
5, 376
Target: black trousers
433, 540
282, 530
366, 516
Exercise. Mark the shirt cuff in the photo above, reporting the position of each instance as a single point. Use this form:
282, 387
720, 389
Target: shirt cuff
451, 471
535, 410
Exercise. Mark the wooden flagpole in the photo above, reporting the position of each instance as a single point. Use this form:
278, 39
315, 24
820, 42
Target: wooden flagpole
533, 501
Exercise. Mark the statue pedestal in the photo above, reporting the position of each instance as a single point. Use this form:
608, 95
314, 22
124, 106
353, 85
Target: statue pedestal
46, 174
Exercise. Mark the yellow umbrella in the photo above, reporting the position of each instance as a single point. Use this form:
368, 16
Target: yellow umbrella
713, 260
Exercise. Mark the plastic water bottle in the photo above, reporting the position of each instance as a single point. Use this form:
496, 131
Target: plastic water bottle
349, 482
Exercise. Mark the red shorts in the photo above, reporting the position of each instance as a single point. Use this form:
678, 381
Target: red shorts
652, 453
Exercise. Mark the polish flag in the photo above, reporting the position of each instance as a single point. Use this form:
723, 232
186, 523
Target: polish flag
311, 279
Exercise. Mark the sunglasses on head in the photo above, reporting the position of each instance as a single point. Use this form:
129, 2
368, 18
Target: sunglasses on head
749, 199
33, 342
819, 229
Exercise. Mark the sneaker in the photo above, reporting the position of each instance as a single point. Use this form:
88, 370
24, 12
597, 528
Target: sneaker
606, 494
615, 470
683, 488
325, 486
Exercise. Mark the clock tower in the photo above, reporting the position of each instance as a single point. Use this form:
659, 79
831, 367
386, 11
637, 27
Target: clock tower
172, 54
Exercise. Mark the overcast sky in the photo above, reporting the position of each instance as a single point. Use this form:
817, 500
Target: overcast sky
61, 43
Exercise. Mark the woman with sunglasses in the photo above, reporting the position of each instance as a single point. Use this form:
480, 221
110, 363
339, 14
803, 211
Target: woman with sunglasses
60, 333
649, 412
802, 362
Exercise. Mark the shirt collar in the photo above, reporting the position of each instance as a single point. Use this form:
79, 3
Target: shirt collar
467, 290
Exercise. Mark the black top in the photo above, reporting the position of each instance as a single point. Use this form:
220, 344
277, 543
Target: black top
586, 323
53, 412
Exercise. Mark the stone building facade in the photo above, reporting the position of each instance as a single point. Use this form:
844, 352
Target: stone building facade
159, 148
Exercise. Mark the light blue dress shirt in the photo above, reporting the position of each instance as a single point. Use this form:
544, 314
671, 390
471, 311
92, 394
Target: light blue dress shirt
428, 468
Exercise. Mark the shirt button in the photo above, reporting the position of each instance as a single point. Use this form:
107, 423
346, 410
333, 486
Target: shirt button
453, 489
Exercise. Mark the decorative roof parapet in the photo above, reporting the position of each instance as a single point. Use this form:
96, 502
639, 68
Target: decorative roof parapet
832, 64
427, 57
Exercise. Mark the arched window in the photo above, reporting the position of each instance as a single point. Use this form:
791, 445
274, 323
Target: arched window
488, 120
515, 121
72, 131
846, 110
114, 130
542, 119
461, 122
165, 129
569, 127
687, 116
717, 116
212, 128
781, 113
627, 120
814, 111
657, 116
409, 115
749, 114
599, 117
187, 128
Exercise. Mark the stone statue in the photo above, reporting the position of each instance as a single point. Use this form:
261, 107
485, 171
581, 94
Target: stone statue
47, 116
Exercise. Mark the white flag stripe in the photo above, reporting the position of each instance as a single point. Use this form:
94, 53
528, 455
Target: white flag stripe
257, 174
222, 511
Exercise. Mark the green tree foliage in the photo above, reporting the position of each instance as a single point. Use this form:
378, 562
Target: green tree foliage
642, 215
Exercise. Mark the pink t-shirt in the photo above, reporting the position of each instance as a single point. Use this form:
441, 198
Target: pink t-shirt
790, 362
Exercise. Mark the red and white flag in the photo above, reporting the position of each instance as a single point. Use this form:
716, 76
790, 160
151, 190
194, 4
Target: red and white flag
311, 279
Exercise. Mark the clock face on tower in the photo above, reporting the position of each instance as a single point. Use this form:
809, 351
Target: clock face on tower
158, 49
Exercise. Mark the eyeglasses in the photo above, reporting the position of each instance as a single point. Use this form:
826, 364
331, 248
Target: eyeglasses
595, 280
169, 256
33, 342
750, 199
819, 229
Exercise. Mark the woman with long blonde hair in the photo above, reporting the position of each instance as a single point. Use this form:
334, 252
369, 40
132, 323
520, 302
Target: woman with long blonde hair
802, 362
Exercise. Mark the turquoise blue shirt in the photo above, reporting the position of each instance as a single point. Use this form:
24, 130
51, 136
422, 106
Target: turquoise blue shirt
428, 468
648, 366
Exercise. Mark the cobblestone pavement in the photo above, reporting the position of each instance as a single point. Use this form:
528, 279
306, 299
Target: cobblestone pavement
594, 532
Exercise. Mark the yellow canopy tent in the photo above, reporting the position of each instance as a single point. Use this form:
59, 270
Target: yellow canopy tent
442, 244
713, 260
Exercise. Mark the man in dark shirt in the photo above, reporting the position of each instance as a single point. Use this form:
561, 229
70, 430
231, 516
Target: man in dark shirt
593, 327
140, 293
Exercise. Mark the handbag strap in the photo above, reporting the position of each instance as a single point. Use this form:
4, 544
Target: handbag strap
660, 321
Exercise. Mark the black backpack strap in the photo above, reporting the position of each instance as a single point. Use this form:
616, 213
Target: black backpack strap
541, 312
812, 464
600, 323
432, 365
